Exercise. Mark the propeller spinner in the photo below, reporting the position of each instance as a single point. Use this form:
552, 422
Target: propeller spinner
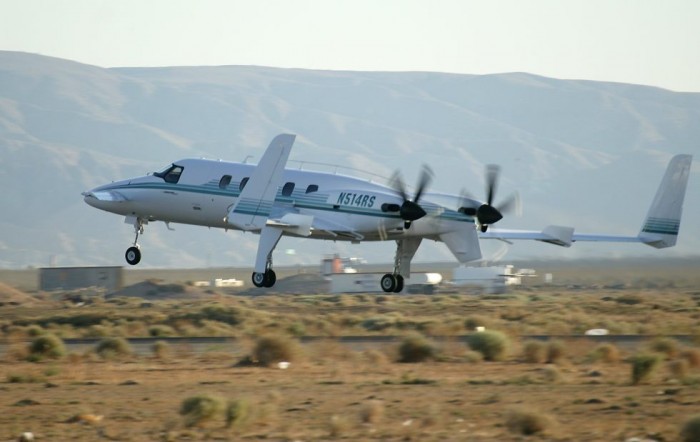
410, 210
487, 213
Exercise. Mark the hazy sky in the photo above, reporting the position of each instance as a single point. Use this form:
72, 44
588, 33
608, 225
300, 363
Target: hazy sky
651, 42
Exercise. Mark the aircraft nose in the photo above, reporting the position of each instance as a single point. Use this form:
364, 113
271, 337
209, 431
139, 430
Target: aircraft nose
104, 198
89, 198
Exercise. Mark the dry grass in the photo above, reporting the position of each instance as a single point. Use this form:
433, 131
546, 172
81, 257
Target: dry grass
350, 393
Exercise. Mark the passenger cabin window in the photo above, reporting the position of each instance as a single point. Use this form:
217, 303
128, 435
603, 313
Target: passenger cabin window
312, 188
171, 174
224, 181
288, 189
244, 181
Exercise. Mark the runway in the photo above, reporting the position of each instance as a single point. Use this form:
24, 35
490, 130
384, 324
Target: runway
205, 344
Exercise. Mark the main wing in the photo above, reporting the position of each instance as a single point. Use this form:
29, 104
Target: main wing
660, 228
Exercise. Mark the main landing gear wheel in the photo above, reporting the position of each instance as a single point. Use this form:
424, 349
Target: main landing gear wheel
392, 283
266, 279
133, 255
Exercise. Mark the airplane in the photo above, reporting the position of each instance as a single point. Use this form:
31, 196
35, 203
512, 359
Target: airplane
270, 200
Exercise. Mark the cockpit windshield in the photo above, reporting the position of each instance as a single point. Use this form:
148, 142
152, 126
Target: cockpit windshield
170, 174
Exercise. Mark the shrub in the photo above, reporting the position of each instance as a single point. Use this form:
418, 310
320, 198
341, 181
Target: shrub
690, 432
665, 346
272, 349
607, 353
237, 412
46, 346
643, 366
527, 422
534, 352
197, 410
113, 347
297, 329
556, 351
551, 374
34, 330
416, 348
472, 322
160, 331
492, 344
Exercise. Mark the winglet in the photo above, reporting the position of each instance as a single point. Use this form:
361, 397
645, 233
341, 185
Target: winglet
252, 209
661, 226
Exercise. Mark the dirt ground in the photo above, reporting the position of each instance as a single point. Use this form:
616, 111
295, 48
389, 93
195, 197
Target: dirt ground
335, 394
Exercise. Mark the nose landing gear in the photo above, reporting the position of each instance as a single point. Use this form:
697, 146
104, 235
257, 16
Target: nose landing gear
133, 253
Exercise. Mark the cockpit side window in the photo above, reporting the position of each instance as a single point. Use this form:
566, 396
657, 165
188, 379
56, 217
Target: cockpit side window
312, 188
171, 174
244, 181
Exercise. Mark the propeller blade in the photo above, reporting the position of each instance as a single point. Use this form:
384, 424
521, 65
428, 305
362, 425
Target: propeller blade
425, 178
398, 185
492, 172
410, 210
511, 204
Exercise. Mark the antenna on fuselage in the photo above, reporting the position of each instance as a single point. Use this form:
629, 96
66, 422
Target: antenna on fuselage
245, 160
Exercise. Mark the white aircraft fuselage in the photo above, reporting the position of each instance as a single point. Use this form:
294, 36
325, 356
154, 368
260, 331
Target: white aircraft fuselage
352, 206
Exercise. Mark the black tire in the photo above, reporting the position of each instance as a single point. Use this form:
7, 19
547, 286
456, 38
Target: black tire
133, 255
270, 278
258, 279
399, 284
388, 283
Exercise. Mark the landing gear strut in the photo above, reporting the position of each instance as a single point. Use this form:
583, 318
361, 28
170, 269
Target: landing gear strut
405, 250
133, 253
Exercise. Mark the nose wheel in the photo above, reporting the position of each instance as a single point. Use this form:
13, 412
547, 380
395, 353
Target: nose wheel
133, 253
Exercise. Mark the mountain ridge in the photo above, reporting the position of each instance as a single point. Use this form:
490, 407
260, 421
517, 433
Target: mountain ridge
581, 153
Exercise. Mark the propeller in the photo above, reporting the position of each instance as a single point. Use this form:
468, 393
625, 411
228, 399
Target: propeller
487, 213
410, 210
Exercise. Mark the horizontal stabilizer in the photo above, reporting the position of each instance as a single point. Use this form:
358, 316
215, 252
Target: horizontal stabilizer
557, 235
660, 228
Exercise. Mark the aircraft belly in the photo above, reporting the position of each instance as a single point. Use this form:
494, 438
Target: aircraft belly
179, 207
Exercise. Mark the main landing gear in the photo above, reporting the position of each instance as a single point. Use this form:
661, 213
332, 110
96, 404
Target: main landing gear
405, 250
133, 253
269, 237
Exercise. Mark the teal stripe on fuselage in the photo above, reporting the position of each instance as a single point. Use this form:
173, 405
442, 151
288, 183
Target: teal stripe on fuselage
317, 201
